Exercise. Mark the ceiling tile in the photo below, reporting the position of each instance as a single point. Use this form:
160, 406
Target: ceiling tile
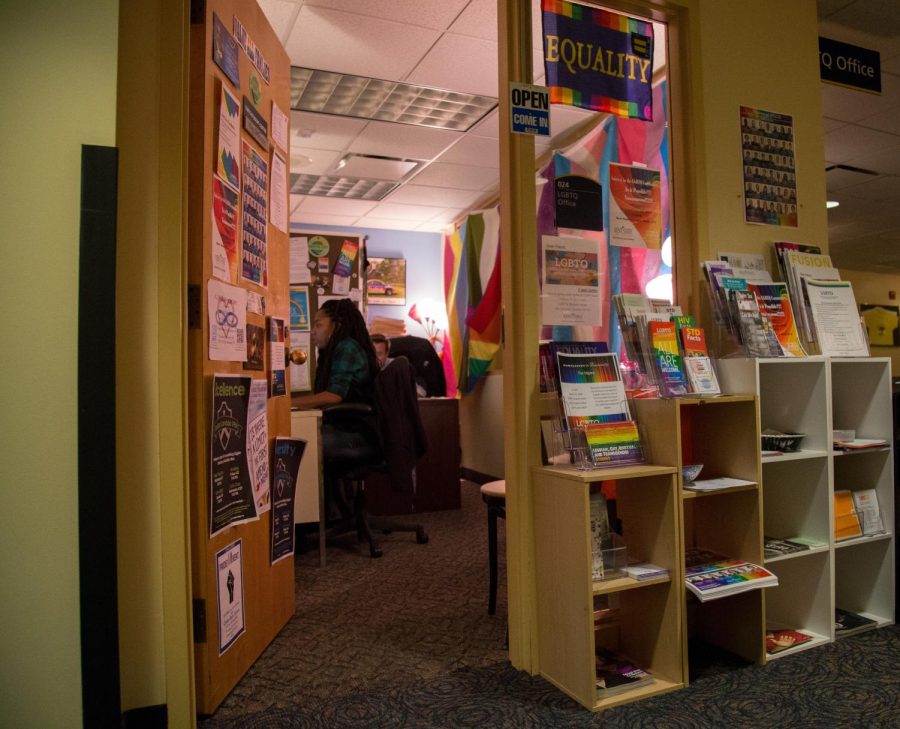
335, 206
397, 211
488, 127
477, 151
385, 224
424, 195
322, 131
281, 15
829, 125
447, 216
852, 141
348, 43
880, 189
298, 216
320, 160
460, 177
295, 201
459, 63
888, 121
885, 161
436, 14
435, 227
839, 179
850, 105
403, 140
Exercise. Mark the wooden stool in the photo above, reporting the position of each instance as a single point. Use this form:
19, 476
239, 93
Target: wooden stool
494, 495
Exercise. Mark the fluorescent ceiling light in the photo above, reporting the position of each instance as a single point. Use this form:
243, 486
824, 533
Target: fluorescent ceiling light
831, 204
374, 167
351, 188
326, 92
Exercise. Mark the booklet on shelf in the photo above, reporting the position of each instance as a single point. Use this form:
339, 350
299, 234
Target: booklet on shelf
711, 579
614, 443
849, 623
859, 444
697, 364
836, 319
867, 510
755, 331
667, 358
645, 571
591, 388
781, 640
616, 673
846, 520
775, 306
547, 352
801, 265
774, 548
717, 484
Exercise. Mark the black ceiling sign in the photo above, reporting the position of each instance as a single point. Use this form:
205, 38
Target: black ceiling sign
849, 65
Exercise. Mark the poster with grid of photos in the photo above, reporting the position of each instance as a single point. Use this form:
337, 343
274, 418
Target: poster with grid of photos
770, 181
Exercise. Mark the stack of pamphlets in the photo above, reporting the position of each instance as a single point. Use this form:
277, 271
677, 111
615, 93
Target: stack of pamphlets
721, 576
616, 674
848, 623
846, 520
645, 571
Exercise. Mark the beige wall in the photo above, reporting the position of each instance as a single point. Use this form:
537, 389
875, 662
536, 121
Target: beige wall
762, 54
873, 288
59, 76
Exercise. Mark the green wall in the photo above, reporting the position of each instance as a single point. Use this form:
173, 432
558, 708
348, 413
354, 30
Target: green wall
59, 92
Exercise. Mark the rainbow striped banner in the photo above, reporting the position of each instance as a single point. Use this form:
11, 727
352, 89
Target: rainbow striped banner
598, 60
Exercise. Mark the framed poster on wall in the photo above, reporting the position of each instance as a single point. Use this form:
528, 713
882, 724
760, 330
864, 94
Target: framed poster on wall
386, 281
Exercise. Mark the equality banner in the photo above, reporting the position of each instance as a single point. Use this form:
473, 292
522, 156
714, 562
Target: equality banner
598, 60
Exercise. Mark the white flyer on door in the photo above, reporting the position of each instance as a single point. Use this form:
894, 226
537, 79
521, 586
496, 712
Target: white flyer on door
227, 309
571, 278
258, 444
230, 590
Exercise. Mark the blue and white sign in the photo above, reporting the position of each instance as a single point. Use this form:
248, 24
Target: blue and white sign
529, 109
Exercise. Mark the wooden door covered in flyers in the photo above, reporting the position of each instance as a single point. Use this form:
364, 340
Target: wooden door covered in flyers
243, 588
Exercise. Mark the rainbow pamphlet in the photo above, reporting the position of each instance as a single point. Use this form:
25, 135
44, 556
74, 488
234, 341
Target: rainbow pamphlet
614, 443
591, 388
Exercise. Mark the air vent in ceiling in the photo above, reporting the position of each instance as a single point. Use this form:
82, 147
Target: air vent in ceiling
351, 188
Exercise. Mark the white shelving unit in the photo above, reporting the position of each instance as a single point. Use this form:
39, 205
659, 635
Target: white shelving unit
814, 396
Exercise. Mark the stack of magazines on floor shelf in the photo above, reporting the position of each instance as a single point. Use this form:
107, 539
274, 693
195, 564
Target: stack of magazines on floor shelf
710, 576
616, 673
847, 623
781, 640
665, 346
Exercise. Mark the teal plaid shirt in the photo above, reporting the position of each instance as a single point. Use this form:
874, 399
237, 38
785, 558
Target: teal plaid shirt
349, 376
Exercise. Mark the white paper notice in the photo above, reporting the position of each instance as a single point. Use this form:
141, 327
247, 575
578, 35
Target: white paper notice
230, 589
258, 444
571, 277
227, 309
278, 210
299, 264
280, 127
299, 373
836, 318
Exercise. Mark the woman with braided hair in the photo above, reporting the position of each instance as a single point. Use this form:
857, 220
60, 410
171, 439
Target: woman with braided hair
346, 364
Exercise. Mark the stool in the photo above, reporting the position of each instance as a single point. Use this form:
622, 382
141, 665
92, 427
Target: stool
494, 495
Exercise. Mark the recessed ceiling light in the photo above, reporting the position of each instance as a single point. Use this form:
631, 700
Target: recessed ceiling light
831, 204
341, 94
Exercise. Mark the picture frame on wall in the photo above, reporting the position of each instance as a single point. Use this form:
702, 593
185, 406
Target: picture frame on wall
882, 324
386, 281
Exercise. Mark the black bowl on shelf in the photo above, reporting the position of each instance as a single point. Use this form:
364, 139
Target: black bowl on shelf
784, 442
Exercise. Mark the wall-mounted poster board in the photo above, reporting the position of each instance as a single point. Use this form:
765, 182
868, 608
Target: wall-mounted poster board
238, 273
323, 265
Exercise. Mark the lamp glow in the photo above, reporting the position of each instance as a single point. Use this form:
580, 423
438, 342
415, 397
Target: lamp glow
831, 204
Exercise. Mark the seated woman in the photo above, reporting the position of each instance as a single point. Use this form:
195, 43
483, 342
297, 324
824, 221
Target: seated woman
345, 373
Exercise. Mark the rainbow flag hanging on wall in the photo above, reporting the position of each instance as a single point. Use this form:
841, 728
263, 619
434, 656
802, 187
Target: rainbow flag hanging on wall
598, 60
473, 299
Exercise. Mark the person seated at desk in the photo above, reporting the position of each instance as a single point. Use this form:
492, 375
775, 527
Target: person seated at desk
382, 347
345, 372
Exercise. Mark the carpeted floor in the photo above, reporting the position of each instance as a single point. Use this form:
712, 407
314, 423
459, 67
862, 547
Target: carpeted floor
406, 641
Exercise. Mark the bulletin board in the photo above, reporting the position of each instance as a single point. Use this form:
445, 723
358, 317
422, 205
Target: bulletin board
324, 265
238, 307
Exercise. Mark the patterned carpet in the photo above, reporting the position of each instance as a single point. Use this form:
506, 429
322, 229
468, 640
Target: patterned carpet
405, 641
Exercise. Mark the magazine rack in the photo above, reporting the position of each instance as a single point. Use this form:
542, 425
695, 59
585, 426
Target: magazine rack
816, 395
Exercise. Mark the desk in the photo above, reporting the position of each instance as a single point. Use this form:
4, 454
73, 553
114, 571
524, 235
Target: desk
309, 502
437, 472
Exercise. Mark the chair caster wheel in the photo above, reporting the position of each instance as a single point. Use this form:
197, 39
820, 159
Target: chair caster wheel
375, 553
421, 538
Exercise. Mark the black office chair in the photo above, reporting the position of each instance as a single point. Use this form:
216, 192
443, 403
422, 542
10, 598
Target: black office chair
425, 361
394, 430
